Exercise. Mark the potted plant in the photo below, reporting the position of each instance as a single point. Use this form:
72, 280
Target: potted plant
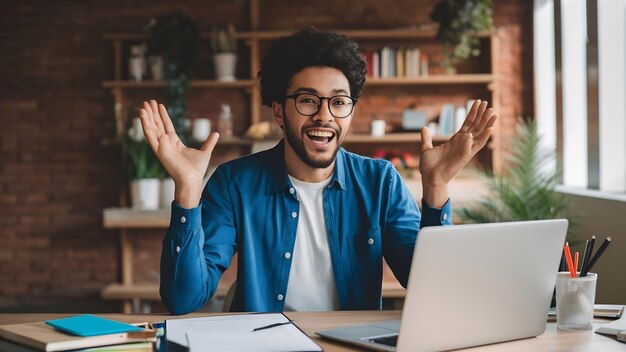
460, 22
224, 46
524, 191
175, 37
143, 170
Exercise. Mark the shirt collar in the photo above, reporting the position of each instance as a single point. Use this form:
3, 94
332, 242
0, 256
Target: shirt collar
279, 179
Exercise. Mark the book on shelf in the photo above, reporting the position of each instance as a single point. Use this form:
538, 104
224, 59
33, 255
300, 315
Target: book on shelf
396, 62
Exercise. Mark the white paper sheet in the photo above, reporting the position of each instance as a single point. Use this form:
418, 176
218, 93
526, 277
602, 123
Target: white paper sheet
234, 333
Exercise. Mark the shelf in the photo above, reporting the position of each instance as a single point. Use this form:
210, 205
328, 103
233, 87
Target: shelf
433, 79
273, 35
150, 292
244, 83
400, 137
355, 34
406, 137
234, 141
127, 218
391, 138
248, 83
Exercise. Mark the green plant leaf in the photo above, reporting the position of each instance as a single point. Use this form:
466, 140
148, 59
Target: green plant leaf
524, 191
460, 22
175, 37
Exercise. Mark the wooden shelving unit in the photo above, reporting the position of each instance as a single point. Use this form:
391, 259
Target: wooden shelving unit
125, 220
254, 38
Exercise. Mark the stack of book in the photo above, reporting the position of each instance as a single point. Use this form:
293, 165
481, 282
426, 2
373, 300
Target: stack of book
396, 62
86, 333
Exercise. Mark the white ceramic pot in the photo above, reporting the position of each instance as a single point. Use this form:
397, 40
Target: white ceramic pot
144, 193
166, 194
225, 64
201, 129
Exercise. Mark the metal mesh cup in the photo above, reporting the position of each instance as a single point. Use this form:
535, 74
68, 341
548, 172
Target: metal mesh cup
575, 298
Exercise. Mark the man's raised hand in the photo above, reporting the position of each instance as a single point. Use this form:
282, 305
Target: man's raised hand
187, 166
438, 165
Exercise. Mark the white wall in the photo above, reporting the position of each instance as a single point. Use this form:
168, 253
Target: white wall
603, 218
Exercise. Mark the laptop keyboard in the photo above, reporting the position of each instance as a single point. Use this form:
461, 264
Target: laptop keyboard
387, 340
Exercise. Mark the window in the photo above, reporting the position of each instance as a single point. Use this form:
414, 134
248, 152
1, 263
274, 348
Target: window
580, 86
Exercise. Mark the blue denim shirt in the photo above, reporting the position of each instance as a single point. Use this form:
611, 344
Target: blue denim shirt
249, 206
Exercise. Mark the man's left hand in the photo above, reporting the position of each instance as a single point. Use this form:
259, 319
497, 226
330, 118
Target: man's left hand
438, 165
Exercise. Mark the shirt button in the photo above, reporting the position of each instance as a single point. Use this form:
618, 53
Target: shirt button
183, 219
291, 190
280, 297
294, 214
177, 249
445, 216
287, 255
370, 241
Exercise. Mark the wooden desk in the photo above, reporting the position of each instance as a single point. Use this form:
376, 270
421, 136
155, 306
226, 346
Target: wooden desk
310, 322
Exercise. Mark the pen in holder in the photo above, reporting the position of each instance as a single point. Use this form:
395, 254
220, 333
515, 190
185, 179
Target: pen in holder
575, 297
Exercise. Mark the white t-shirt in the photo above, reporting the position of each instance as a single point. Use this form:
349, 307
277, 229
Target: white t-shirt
311, 284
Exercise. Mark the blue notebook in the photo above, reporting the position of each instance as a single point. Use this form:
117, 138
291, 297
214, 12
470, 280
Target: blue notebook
91, 325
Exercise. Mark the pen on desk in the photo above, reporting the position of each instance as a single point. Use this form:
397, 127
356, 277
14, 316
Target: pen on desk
272, 326
568, 257
596, 256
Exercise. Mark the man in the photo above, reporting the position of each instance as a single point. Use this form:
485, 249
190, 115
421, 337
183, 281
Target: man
310, 221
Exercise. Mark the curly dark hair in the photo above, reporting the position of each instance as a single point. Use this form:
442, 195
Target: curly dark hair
305, 48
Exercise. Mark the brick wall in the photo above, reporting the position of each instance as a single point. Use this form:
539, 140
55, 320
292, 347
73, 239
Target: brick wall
55, 174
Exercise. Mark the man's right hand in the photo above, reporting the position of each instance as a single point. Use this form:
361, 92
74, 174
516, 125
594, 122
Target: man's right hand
187, 166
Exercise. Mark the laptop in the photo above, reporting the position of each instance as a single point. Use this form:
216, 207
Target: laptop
471, 285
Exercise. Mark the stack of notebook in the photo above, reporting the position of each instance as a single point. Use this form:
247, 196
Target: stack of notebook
80, 332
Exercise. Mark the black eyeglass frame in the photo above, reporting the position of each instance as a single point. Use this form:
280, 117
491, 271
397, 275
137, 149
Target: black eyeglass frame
319, 106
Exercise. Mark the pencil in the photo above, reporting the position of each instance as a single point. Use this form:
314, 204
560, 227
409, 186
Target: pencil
562, 264
576, 263
596, 256
568, 257
585, 255
588, 255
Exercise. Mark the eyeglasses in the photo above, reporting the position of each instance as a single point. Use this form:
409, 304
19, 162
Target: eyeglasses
309, 104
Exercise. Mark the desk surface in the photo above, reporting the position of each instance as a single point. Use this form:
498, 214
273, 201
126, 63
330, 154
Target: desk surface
310, 322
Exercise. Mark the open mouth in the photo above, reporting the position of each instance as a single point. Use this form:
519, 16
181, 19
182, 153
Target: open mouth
320, 137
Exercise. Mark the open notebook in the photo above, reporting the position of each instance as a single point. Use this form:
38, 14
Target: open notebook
237, 333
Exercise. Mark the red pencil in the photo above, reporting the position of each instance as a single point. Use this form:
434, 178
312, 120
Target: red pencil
568, 258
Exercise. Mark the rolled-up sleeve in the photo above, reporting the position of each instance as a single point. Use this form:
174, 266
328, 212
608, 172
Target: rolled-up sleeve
197, 249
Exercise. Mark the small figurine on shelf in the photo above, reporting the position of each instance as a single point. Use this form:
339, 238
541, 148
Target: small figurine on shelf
225, 121
137, 62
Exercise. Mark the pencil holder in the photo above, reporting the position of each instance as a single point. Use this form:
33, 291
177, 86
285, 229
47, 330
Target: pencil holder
575, 297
